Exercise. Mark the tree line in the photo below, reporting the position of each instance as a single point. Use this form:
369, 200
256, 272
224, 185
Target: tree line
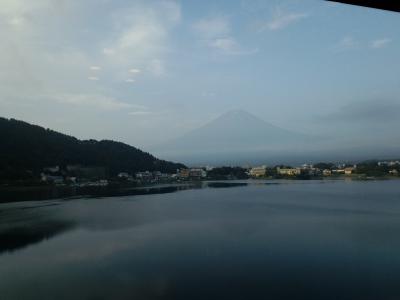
26, 149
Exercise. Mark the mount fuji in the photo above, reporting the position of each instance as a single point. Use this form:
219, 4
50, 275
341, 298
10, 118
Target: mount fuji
232, 137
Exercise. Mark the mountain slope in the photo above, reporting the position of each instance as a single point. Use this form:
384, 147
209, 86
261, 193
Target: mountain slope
238, 137
233, 132
30, 147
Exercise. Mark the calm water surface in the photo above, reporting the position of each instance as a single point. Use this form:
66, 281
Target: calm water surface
292, 240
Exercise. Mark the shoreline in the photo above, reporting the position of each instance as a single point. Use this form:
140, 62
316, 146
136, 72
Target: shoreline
10, 194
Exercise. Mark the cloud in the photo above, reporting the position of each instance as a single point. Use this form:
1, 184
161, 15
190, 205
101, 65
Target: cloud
140, 113
134, 71
93, 101
347, 43
21, 9
108, 51
157, 67
145, 112
230, 46
130, 80
43, 53
371, 112
225, 44
143, 34
208, 94
215, 32
48, 48
17, 21
380, 43
281, 20
213, 27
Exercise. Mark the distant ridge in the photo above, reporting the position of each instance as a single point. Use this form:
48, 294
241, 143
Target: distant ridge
234, 132
27, 147
240, 138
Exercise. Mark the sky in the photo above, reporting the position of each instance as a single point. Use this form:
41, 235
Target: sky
144, 72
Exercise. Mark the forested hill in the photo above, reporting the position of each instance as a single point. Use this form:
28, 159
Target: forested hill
27, 147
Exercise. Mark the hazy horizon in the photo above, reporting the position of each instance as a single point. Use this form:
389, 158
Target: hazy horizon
148, 72
240, 138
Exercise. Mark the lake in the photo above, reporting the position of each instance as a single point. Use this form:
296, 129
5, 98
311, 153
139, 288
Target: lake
255, 240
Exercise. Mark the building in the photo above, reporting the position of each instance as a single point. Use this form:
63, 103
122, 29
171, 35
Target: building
73, 168
258, 171
54, 169
338, 171
71, 179
193, 173
103, 182
197, 173
98, 183
145, 176
327, 172
289, 171
157, 174
348, 171
164, 176
389, 163
307, 166
394, 172
184, 173
52, 179
123, 175
310, 170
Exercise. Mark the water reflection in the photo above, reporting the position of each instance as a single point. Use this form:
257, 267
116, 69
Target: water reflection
32, 233
28, 230
290, 241
55, 192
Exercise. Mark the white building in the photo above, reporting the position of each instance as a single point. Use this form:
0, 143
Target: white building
197, 173
258, 171
289, 171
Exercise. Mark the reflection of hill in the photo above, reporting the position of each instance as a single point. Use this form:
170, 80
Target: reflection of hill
24, 235
22, 225
56, 192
